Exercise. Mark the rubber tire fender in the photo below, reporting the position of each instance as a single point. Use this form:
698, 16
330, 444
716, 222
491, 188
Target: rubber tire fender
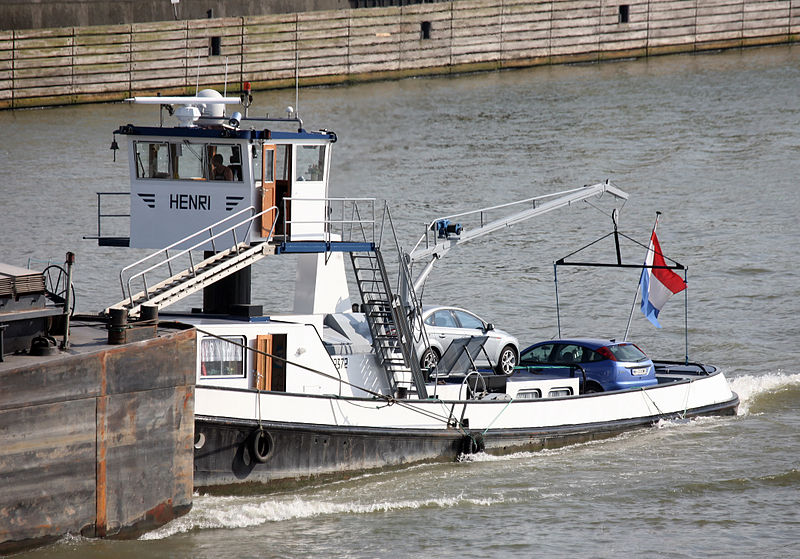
260, 445
472, 443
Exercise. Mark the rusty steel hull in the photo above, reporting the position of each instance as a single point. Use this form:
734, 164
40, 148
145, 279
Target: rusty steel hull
97, 442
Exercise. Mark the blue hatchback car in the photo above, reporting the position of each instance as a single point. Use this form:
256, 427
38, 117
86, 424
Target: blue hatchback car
607, 364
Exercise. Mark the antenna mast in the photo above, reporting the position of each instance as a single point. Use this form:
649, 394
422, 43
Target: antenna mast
296, 76
197, 84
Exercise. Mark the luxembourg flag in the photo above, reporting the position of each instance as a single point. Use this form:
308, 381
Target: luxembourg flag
657, 284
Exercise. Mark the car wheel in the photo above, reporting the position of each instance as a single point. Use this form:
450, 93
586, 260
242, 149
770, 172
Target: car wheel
592, 388
429, 359
507, 361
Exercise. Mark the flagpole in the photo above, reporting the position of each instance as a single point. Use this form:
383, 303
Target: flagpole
639, 285
686, 311
633, 306
558, 312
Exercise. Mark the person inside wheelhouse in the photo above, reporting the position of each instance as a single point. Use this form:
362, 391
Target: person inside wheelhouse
188, 161
219, 171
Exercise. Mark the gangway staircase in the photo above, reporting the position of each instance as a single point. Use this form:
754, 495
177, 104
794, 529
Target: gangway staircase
350, 226
196, 276
392, 330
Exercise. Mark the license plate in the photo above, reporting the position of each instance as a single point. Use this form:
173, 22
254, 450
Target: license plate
639, 371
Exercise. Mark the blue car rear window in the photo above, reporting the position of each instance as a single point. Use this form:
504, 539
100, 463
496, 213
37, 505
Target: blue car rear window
627, 352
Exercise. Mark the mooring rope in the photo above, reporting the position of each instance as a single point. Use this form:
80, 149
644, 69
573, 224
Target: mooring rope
497, 416
644, 391
686, 401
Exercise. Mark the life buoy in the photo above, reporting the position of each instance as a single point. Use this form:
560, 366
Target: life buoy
260, 445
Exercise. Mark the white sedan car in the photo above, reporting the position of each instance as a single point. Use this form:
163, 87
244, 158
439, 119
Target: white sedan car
444, 324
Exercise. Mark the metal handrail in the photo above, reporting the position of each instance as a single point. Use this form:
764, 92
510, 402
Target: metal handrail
328, 222
100, 213
212, 236
411, 303
176, 243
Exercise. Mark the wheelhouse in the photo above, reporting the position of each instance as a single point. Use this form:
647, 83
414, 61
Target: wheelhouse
203, 171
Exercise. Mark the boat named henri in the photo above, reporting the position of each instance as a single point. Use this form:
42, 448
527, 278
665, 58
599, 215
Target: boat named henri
337, 384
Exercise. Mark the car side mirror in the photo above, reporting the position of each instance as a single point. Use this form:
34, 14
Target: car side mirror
489, 326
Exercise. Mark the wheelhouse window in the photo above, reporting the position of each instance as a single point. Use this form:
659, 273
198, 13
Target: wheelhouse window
282, 155
269, 170
221, 358
187, 161
278, 172
152, 160
190, 161
310, 163
231, 159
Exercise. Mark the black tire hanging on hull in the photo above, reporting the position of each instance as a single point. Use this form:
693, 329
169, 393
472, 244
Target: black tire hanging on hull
472, 443
260, 445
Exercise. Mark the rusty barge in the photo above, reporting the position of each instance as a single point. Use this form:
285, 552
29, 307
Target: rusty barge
96, 426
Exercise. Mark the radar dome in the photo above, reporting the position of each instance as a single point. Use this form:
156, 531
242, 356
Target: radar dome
211, 109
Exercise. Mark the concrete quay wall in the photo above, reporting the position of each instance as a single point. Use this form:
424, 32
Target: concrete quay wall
107, 63
36, 14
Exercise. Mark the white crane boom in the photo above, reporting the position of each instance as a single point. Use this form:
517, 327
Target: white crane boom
553, 201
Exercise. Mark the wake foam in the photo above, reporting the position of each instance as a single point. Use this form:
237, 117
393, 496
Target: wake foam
750, 387
242, 512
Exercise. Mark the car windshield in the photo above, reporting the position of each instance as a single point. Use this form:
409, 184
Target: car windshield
538, 354
468, 320
627, 352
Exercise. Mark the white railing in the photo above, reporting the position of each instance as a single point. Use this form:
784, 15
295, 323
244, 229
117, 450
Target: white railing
352, 219
201, 238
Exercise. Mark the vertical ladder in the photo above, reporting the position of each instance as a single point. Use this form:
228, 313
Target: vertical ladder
392, 336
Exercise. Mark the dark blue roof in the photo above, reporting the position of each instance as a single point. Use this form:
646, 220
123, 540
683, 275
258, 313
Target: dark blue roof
238, 134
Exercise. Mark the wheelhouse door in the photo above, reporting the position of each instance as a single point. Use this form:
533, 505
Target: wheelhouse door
268, 189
